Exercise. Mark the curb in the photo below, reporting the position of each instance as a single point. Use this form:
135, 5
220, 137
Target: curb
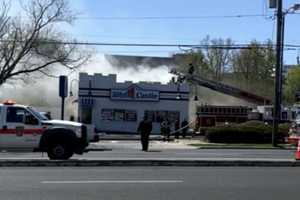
129, 139
246, 148
148, 163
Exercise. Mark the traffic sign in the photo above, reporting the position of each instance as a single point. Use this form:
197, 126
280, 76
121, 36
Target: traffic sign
63, 86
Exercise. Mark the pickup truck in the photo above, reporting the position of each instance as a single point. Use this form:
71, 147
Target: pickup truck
23, 128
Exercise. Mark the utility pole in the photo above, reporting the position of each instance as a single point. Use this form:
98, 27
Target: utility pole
278, 74
298, 57
62, 108
281, 61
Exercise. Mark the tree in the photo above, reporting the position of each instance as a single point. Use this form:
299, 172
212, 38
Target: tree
210, 62
250, 68
254, 67
255, 62
218, 58
292, 85
195, 57
34, 44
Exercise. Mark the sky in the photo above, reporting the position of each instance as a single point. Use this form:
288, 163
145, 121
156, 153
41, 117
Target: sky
123, 21
177, 31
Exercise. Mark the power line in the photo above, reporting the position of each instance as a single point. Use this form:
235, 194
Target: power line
139, 37
133, 37
174, 17
234, 46
137, 51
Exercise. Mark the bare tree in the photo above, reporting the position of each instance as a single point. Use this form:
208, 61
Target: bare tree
33, 43
218, 58
194, 57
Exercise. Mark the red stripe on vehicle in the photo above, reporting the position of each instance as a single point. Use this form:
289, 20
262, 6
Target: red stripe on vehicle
24, 132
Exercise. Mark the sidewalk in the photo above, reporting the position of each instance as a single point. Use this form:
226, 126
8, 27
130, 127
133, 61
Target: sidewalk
104, 136
157, 145
201, 144
110, 136
197, 142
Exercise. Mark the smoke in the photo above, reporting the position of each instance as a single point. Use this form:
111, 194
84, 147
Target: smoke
210, 97
138, 62
43, 93
100, 64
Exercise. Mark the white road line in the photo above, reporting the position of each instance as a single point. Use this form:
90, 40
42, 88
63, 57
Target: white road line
112, 181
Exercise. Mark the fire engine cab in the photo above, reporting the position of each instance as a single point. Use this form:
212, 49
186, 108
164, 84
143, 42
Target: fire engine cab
23, 128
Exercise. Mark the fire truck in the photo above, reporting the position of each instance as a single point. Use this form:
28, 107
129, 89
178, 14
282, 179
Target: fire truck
24, 128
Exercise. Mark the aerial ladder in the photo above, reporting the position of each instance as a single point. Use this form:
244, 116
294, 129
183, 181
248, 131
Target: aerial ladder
221, 87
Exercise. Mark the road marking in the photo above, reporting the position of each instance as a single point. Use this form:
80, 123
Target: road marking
112, 181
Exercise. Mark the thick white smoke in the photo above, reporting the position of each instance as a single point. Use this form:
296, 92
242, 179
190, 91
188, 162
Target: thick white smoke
43, 93
144, 73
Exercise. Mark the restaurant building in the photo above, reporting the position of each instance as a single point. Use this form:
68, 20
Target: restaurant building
118, 107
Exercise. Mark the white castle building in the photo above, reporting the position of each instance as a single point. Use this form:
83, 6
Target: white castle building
118, 107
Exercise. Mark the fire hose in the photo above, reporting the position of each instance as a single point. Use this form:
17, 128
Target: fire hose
180, 129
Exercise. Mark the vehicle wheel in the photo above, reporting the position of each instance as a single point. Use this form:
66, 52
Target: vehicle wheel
60, 151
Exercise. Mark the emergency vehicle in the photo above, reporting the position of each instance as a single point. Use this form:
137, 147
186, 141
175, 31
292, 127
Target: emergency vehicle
294, 132
23, 128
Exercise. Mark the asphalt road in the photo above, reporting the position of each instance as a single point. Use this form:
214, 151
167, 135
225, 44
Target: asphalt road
149, 183
166, 154
159, 150
117, 152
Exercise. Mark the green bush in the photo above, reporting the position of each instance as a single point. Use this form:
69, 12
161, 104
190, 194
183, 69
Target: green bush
284, 128
248, 132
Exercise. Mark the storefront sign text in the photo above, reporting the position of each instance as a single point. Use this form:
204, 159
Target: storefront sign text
134, 93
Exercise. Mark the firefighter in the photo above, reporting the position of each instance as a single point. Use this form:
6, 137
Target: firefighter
145, 128
177, 127
184, 126
191, 69
165, 128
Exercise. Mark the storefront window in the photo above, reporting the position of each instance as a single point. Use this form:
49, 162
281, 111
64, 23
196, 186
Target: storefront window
173, 116
107, 114
159, 116
150, 115
118, 115
130, 115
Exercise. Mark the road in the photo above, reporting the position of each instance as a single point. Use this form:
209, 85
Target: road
137, 183
166, 154
159, 150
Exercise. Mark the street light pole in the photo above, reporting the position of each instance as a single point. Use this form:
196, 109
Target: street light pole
278, 73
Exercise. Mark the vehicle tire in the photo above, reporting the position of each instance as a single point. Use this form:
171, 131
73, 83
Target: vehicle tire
60, 151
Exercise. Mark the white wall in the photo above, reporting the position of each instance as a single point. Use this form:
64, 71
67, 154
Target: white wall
140, 107
102, 100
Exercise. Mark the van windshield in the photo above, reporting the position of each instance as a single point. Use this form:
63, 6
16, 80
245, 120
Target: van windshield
37, 114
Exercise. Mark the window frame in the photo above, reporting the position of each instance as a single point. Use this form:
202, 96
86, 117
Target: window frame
26, 111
